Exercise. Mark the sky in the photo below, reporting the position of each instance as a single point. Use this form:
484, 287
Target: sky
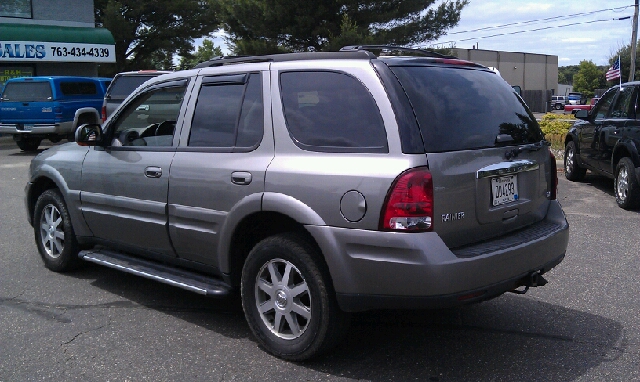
573, 30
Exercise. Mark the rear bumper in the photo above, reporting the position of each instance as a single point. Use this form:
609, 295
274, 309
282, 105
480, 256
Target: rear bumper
388, 270
35, 128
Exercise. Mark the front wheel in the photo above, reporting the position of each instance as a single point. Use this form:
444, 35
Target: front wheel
558, 106
626, 185
288, 299
572, 170
54, 234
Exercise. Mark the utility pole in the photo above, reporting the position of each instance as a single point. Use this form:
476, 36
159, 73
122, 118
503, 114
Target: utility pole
634, 43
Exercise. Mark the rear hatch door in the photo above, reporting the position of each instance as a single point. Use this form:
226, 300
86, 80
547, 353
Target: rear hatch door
486, 153
27, 103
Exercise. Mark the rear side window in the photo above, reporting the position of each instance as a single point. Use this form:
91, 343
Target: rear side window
122, 86
27, 92
228, 113
331, 112
78, 88
462, 109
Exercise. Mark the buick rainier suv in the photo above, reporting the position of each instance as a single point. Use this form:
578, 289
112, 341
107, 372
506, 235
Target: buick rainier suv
311, 185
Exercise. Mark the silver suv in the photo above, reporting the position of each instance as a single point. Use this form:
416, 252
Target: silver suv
314, 185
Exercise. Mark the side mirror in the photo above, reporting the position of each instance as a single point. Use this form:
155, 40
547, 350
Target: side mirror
89, 135
582, 114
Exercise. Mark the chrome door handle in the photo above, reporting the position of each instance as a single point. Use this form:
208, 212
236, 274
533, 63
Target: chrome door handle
241, 178
153, 172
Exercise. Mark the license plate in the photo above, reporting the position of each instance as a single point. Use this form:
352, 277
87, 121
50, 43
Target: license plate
27, 127
504, 189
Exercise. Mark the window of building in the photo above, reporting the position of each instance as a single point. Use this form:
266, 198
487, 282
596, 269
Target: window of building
15, 8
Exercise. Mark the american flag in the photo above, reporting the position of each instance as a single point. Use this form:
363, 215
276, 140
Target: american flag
614, 71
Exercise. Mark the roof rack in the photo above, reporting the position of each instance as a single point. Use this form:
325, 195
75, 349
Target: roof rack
389, 48
220, 61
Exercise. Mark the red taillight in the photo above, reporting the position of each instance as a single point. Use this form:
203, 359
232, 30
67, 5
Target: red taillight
553, 187
103, 113
409, 203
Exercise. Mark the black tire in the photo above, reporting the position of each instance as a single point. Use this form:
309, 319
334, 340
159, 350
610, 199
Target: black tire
310, 320
30, 144
572, 169
626, 185
54, 233
558, 106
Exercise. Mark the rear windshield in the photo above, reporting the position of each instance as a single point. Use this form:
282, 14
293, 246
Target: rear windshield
122, 86
463, 109
27, 92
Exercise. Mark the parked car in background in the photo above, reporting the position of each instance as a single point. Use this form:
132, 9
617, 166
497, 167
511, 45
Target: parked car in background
311, 185
574, 108
558, 102
606, 141
122, 85
576, 98
37, 108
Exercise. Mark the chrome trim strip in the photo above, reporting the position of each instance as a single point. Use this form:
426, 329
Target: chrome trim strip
506, 168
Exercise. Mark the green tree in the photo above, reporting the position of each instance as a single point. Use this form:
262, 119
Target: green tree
588, 78
566, 73
625, 63
205, 52
149, 32
272, 26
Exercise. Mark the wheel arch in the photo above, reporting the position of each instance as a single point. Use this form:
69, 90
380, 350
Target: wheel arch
624, 149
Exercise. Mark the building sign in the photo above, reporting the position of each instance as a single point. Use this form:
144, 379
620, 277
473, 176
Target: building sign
8, 72
29, 51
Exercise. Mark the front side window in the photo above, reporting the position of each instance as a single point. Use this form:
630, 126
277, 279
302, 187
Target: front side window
27, 92
150, 119
602, 109
622, 107
228, 113
15, 8
332, 112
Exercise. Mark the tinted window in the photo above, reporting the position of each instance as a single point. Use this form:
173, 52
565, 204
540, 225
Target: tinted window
462, 109
125, 85
150, 119
331, 111
228, 115
78, 88
622, 108
27, 92
603, 106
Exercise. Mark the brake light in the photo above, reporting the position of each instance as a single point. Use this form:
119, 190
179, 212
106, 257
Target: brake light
408, 206
553, 192
103, 113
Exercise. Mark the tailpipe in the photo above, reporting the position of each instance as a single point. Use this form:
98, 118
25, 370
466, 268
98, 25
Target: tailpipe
533, 279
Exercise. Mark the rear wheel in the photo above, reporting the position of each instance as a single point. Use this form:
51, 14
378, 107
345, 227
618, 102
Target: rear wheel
626, 185
54, 234
29, 144
558, 106
288, 299
572, 170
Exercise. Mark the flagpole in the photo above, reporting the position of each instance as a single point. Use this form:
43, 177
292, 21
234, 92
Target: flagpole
620, 64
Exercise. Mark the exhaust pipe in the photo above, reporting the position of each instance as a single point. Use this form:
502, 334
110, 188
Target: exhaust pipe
533, 279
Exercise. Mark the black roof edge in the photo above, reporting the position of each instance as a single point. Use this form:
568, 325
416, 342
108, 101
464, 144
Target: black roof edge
422, 52
220, 61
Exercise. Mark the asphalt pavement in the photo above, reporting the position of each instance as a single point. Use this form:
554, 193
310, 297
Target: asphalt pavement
97, 324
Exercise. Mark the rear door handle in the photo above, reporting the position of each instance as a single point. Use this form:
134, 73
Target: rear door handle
241, 177
153, 172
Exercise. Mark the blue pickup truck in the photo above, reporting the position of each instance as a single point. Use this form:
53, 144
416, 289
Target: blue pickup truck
37, 108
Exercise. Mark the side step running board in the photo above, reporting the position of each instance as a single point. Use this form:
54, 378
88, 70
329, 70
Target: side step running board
184, 279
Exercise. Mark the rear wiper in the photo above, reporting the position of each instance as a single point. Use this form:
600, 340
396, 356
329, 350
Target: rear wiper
528, 147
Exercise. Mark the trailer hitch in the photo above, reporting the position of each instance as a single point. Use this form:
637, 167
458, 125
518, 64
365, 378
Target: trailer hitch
533, 279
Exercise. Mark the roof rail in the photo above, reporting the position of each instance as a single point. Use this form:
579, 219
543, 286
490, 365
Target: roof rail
281, 57
381, 48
